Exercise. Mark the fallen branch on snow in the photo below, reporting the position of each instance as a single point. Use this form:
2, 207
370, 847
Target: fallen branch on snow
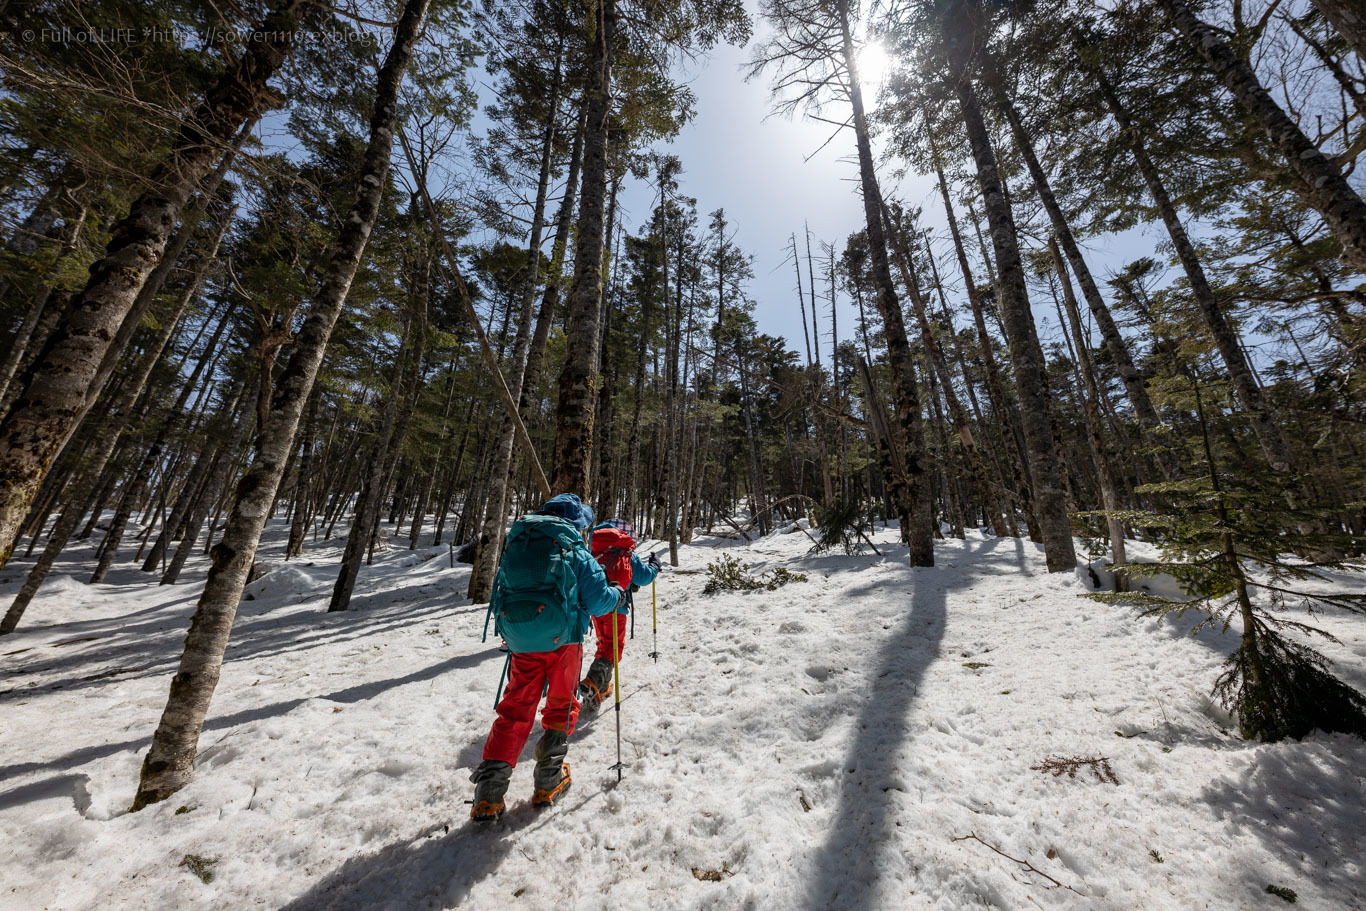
1099, 765
1023, 863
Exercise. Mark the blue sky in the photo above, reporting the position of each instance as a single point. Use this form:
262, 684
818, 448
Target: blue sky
735, 155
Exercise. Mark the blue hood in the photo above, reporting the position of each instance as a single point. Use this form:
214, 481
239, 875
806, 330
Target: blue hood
569, 507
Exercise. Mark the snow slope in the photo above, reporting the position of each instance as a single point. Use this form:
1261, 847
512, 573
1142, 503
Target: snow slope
864, 739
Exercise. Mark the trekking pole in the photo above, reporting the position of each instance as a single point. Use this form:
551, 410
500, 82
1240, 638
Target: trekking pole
654, 623
616, 688
631, 603
654, 618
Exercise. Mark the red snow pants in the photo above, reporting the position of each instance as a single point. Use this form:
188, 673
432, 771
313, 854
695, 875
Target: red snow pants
529, 675
603, 627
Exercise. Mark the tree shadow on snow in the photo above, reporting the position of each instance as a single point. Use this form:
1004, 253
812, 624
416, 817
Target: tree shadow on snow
848, 865
1020, 549
1304, 803
432, 870
135, 650
471, 754
71, 786
350, 695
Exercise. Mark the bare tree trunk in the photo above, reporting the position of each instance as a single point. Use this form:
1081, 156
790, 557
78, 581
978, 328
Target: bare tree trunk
375, 476
19, 347
1348, 19
223, 461
295, 545
578, 379
122, 409
56, 305
995, 389
190, 492
445, 490
939, 365
412, 390
138, 483
488, 548
184, 502
999, 478
633, 441
1114, 342
372, 480
947, 474
760, 510
893, 472
1026, 358
801, 299
672, 328
170, 257
545, 316
1320, 183
920, 527
58, 389
169, 763
1109, 491
1267, 431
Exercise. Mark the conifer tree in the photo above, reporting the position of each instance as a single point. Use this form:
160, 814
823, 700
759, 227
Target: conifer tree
1223, 543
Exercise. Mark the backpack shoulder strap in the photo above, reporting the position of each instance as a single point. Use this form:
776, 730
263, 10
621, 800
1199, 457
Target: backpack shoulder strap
566, 535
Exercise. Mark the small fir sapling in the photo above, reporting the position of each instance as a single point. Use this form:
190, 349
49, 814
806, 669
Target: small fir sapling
845, 523
729, 574
1282, 892
1090, 528
1223, 538
200, 866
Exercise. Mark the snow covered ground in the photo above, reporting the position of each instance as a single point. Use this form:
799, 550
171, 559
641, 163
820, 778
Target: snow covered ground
865, 739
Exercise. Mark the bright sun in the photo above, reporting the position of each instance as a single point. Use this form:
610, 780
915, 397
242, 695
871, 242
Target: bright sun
873, 65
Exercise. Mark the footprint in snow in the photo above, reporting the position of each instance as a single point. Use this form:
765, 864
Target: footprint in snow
395, 768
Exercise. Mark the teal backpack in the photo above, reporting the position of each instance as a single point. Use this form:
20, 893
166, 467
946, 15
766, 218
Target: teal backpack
536, 594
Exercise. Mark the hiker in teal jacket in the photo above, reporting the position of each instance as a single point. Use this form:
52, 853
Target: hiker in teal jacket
547, 590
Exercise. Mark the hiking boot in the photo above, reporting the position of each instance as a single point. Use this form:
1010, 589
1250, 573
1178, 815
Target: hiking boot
550, 752
591, 696
597, 685
487, 811
545, 797
490, 784
600, 672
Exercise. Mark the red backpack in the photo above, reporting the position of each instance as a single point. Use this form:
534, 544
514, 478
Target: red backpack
612, 548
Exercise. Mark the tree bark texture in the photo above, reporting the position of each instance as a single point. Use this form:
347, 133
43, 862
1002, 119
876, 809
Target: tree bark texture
1267, 431
372, 482
1321, 183
57, 388
170, 761
488, 548
20, 346
121, 410
1062, 230
921, 518
579, 378
138, 482
1109, 491
1348, 17
1023, 491
1025, 354
939, 364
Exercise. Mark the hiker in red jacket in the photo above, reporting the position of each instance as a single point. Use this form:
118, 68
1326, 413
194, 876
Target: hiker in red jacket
613, 544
